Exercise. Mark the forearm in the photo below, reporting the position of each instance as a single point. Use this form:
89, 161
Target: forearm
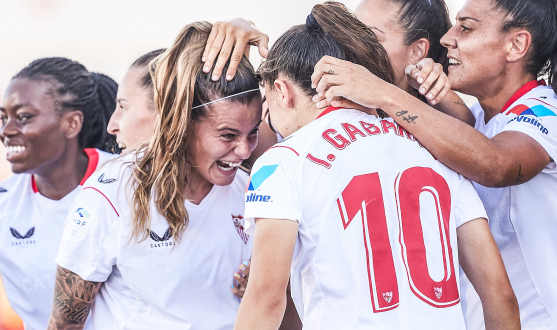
452, 142
260, 311
73, 300
454, 106
500, 311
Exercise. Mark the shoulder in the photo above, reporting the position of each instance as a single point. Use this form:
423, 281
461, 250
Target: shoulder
113, 176
15, 185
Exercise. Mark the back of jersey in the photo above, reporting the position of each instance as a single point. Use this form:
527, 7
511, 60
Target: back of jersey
377, 223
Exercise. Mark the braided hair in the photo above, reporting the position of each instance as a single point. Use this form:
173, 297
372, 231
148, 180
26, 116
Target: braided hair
94, 94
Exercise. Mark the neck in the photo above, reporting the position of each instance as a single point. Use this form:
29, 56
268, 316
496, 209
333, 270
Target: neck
57, 179
197, 187
494, 96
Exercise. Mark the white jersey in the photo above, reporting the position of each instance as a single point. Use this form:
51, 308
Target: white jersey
157, 283
377, 245
523, 217
31, 227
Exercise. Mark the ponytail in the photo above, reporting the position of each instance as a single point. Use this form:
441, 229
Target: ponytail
331, 30
181, 90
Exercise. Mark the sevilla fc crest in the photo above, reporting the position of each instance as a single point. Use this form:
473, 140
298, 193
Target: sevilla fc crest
438, 292
388, 296
239, 224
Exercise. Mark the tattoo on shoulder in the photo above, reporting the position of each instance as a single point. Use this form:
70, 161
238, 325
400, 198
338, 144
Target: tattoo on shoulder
73, 299
408, 119
520, 176
460, 102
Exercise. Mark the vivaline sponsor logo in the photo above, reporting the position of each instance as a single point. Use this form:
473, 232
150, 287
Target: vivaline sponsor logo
255, 182
253, 197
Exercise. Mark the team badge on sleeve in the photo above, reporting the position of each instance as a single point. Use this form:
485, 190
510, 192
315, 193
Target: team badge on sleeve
80, 224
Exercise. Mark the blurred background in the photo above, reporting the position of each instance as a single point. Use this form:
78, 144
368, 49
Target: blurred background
108, 35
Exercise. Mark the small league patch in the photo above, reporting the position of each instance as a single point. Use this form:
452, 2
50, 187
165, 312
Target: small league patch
80, 224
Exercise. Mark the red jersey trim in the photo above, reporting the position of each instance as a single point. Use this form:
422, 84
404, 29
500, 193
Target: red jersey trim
328, 110
521, 91
93, 156
97, 190
297, 154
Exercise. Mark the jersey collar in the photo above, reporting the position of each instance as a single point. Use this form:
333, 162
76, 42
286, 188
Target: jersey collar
521, 91
328, 110
93, 156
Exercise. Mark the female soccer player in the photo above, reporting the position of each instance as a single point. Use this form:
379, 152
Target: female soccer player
371, 238
54, 114
133, 120
497, 50
153, 247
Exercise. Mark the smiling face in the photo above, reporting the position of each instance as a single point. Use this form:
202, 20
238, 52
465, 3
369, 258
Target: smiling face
477, 47
33, 131
134, 118
382, 17
222, 140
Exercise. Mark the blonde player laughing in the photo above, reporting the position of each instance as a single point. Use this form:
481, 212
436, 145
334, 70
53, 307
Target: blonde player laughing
371, 240
171, 214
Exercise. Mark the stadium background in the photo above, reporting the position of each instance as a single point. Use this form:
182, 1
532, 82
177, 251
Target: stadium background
108, 35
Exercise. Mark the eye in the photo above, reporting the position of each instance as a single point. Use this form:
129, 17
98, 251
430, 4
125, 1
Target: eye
464, 28
22, 118
228, 136
3, 119
254, 131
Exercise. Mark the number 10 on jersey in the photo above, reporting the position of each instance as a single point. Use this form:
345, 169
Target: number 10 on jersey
364, 194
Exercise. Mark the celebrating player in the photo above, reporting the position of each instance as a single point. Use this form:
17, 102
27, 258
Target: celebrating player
134, 118
373, 239
54, 114
152, 244
497, 51
410, 31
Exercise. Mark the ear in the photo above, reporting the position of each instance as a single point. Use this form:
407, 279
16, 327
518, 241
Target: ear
519, 44
72, 121
285, 95
418, 50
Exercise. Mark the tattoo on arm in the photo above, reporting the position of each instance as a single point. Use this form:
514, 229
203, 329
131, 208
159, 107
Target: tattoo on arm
460, 102
73, 299
408, 119
520, 176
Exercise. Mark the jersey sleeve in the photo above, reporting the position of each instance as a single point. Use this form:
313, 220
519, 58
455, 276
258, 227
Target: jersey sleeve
90, 240
271, 191
468, 204
543, 129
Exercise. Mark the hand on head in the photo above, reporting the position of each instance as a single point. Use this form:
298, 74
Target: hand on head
232, 39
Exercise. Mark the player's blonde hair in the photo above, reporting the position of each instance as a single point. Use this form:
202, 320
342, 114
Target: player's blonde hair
160, 170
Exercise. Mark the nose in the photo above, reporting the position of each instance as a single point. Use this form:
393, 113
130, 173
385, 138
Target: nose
9, 128
113, 125
243, 149
448, 41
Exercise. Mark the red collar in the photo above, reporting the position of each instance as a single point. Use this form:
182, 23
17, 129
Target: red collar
93, 156
521, 91
326, 111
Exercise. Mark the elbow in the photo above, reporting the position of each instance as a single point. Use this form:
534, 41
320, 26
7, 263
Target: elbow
496, 173
270, 302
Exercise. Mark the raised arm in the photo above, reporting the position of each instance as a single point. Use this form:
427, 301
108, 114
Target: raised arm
232, 39
264, 301
481, 261
507, 159
429, 79
73, 300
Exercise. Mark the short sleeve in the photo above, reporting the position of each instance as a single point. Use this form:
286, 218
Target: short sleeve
543, 129
270, 193
90, 239
468, 204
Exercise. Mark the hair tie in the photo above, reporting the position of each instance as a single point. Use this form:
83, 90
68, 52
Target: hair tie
312, 23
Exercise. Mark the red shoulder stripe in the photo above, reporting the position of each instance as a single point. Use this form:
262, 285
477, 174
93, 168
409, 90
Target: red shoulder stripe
104, 197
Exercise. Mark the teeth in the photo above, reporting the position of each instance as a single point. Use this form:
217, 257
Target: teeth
231, 166
454, 61
14, 149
